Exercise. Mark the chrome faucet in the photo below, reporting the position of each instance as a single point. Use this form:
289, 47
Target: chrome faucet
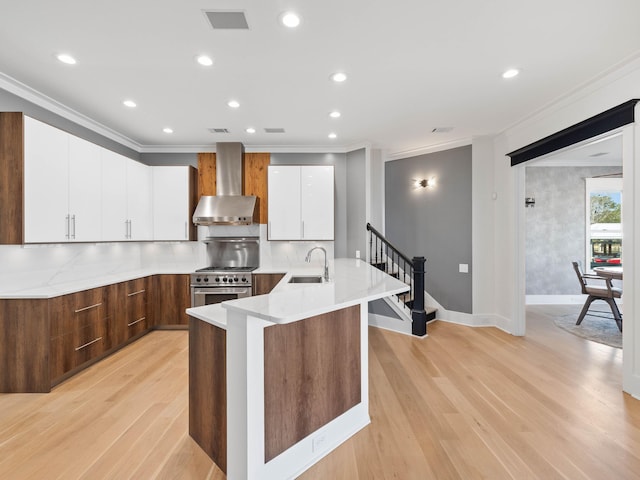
326, 268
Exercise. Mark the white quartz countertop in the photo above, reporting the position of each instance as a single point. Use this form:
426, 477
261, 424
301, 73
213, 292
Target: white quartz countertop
50, 291
351, 282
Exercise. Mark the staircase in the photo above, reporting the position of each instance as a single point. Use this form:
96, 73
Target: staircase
409, 305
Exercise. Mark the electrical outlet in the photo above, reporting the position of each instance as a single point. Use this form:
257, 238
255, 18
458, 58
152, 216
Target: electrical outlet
318, 442
357, 253
463, 268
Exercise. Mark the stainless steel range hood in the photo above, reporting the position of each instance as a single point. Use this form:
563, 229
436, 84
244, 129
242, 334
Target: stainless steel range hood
228, 206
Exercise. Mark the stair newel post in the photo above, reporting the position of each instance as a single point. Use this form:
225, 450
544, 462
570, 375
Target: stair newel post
418, 315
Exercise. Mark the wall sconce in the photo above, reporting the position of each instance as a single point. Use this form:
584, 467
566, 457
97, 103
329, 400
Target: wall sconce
426, 182
529, 202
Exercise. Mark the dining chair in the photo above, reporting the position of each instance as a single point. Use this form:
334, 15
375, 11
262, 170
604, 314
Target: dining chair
598, 288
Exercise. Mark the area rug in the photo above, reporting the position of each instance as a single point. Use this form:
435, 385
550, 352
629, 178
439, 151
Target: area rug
597, 329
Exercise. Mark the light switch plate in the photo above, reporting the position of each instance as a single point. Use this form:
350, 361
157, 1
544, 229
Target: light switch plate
463, 268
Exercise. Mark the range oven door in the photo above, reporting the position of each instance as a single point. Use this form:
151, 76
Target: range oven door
209, 295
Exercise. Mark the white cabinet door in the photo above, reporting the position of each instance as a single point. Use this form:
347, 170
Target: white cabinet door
115, 226
139, 212
171, 203
317, 202
284, 203
46, 183
85, 186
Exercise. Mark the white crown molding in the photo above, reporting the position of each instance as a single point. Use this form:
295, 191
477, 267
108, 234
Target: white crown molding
256, 148
463, 142
29, 94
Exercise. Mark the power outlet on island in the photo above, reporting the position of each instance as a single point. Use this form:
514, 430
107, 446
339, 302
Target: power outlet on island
318, 442
357, 253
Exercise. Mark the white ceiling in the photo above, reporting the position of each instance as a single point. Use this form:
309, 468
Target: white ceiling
412, 66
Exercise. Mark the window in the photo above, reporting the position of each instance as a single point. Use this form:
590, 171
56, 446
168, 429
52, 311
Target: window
604, 221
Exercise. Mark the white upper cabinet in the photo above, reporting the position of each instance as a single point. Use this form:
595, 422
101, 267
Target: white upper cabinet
301, 204
316, 200
46, 183
139, 206
284, 203
115, 225
126, 199
62, 186
171, 205
85, 182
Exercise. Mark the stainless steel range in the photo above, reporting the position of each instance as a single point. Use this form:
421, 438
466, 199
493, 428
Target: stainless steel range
231, 259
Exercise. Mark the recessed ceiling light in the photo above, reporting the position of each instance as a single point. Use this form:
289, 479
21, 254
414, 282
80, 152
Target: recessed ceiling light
335, 114
339, 77
512, 72
129, 103
204, 60
167, 130
233, 103
333, 135
66, 58
290, 19
250, 130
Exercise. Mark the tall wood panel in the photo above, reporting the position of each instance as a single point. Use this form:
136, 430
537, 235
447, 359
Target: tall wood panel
24, 346
311, 376
255, 182
206, 174
208, 389
11, 178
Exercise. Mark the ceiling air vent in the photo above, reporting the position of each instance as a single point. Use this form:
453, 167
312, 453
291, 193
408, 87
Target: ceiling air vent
274, 130
227, 20
219, 130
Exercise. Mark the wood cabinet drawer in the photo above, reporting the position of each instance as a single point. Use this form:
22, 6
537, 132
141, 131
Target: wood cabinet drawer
77, 310
77, 347
131, 317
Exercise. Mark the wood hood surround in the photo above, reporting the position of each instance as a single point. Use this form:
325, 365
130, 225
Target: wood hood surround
254, 181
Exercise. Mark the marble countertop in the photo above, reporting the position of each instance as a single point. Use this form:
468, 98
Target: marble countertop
50, 291
351, 282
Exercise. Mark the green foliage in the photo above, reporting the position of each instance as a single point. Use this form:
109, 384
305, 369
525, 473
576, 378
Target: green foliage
604, 209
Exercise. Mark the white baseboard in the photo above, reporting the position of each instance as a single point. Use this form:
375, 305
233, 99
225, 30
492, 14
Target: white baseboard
390, 323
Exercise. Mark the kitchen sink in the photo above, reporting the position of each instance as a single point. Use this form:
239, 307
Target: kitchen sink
306, 279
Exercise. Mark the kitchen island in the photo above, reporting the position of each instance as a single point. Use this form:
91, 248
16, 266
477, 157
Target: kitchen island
277, 381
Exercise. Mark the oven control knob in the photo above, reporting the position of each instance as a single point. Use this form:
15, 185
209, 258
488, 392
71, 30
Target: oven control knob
224, 279
217, 279
206, 279
244, 279
235, 279
198, 279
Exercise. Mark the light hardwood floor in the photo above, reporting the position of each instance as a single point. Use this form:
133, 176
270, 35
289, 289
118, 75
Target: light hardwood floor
462, 404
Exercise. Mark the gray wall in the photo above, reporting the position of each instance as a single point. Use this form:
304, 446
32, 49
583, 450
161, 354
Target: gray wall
556, 227
12, 103
339, 161
169, 159
434, 222
356, 203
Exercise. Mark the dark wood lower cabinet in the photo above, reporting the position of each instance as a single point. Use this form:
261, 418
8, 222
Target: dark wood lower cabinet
170, 298
263, 283
44, 341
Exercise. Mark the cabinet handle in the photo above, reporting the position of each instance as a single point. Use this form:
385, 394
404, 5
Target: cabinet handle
73, 222
186, 230
302, 226
88, 343
66, 228
269, 229
130, 230
126, 229
88, 308
133, 323
135, 293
